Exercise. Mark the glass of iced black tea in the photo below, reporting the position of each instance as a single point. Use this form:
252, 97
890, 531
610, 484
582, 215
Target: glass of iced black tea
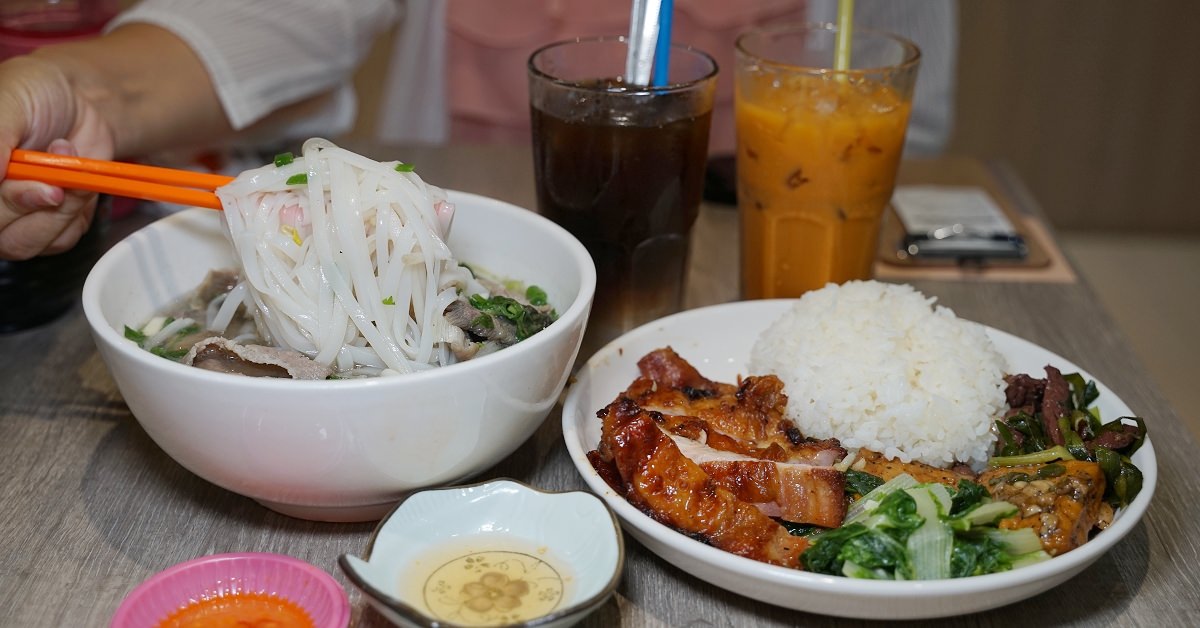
621, 167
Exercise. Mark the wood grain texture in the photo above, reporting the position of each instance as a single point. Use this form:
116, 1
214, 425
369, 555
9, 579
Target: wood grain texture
91, 506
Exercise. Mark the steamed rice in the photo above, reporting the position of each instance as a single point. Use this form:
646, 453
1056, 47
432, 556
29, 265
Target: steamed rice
880, 366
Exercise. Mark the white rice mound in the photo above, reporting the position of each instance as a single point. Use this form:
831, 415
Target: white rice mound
880, 366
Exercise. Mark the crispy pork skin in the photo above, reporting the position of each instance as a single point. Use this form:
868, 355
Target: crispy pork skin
799, 493
667, 368
659, 480
745, 418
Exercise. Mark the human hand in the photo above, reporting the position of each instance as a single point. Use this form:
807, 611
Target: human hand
40, 109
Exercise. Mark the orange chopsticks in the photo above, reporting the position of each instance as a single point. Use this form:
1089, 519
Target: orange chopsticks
149, 183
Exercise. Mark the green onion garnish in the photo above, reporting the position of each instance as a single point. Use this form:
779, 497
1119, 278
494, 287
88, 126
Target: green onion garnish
535, 295
298, 179
135, 335
283, 159
389, 301
403, 167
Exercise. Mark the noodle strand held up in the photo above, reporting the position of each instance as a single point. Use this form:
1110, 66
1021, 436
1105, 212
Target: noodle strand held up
346, 264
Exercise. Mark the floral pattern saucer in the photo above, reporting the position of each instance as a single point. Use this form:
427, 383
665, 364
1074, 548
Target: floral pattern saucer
498, 553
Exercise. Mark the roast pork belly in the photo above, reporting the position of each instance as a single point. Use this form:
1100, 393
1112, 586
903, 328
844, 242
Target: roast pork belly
794, 492
747, 418
657, 478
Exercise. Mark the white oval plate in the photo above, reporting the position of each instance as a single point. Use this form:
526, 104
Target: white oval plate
717, 341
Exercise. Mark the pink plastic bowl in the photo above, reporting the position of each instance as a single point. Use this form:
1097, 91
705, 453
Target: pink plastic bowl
221, 574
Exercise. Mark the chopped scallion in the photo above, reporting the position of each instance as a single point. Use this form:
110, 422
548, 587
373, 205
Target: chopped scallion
135, 335
298, 179
535, 295
283, 159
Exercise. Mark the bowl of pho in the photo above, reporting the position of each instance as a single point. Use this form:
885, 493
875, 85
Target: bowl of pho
342, 333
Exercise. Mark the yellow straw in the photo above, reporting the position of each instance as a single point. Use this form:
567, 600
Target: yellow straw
841, 56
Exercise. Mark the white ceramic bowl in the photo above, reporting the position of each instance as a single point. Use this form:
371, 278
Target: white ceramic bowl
343, 450
559, 555
717, 341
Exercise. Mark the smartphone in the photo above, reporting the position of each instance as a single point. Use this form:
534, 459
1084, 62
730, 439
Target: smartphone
952, 222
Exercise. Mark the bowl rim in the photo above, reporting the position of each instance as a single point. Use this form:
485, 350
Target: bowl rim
421, 619
103, 330
326, 584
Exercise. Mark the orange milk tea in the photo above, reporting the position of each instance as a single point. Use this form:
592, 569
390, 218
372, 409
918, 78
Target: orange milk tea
817, 159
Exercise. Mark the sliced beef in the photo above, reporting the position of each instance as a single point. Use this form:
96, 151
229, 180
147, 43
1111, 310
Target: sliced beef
226, 356
480, 326
1054, 403
1023, 390
1114, 440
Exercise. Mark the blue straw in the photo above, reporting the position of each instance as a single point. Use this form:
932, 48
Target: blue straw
662, 48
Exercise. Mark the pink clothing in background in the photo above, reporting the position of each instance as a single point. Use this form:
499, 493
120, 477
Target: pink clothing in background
489, 43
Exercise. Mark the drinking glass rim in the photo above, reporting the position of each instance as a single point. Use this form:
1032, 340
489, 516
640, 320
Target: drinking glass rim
912, 52
625, 88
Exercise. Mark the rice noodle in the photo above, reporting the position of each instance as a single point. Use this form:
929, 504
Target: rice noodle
223, 308
167, 331
350, 268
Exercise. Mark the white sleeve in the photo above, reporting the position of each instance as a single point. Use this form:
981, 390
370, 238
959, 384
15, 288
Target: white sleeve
265, 54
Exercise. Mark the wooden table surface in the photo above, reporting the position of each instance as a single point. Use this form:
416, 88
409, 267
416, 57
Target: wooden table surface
90, 507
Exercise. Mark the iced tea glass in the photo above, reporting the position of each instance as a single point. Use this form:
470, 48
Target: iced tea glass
817, 152
621, 167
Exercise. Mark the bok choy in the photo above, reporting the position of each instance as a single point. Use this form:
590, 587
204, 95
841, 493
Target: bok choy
903, 530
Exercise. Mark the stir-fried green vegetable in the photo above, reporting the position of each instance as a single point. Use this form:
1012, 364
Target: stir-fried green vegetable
861, 482
1023, 439
902, 530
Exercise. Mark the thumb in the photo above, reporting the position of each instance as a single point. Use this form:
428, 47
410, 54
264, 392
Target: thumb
62, 147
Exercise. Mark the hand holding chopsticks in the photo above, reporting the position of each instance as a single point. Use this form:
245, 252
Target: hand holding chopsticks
149, 183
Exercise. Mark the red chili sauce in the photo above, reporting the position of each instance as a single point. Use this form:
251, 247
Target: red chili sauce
239, 610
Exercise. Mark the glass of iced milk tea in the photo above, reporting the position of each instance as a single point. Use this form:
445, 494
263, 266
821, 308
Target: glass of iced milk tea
817, 152
621, 167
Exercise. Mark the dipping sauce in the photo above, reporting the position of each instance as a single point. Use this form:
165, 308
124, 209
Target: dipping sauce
239, 610
502, 583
